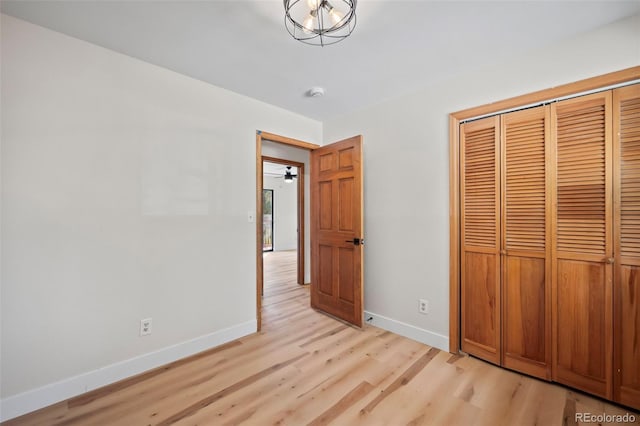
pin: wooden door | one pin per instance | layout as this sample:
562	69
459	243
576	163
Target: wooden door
582	264
480	236
626	154
526	230
337	230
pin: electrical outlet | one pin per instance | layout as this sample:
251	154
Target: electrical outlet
145	326
423	307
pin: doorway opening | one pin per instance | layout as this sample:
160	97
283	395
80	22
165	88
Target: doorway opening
273	155
283	212
336	213
283	229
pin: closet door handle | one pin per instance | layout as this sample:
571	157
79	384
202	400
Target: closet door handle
609	260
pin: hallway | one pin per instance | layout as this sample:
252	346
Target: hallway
282	295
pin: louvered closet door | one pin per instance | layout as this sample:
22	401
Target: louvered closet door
626	154
480	252
526	263
582	314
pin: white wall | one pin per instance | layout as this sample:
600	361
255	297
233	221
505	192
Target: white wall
406	170
116	207
286	152
285	206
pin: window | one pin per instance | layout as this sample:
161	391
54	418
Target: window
267	220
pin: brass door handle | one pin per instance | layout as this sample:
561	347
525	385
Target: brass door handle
609	260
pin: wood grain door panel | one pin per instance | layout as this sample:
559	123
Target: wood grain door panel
325	205
628	337
526	229
480	253
582	296
338	280
345	204
324	261
336	220
582	343
481	324
626	147
525	339
347	281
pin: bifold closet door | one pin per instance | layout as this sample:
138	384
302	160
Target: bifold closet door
582	264
626	154
526	260
480	236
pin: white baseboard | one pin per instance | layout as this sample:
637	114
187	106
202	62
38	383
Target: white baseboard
35	399
407	330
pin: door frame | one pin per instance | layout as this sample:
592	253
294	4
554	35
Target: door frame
299	209
593	83
271	137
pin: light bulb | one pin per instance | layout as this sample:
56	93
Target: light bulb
313	4
336	16
308	23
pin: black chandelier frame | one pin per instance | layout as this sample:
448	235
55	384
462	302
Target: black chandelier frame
320	35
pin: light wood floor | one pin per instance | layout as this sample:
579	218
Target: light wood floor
307	369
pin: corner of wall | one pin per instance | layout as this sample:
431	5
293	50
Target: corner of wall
407	330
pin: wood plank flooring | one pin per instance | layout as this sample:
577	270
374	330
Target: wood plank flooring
305	368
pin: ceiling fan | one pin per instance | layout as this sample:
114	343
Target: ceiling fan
288	176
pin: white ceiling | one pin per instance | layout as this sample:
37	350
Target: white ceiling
397	46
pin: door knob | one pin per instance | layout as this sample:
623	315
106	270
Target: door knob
356	241
609	260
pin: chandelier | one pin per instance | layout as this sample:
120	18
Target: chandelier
320	22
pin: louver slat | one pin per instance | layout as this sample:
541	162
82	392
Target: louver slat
581	178
480	188
525	193
629	110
